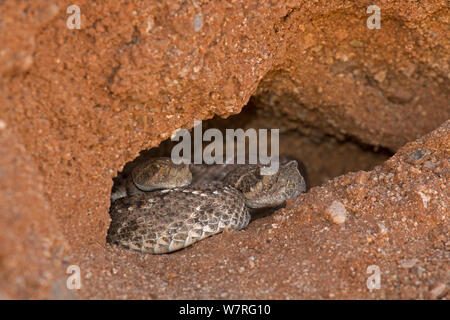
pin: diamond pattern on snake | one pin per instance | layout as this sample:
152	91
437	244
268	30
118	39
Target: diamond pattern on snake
160	207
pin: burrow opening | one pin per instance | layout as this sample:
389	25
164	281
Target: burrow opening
320	157
324	157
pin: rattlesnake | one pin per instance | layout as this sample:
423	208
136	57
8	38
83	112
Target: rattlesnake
161	207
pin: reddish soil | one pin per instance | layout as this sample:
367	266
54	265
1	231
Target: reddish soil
77	105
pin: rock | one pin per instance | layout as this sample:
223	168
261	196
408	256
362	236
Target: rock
418	156
408	264
438	291
336	212
380	76
356	43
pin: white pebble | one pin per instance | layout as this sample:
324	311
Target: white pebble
438	291
408	264
425	199
337	212
383	229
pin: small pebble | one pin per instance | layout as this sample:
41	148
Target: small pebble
383	229
150	25
408	264
438	291
356	43
430	165
336	212
425	199
420	271
362	177
251	262
2	125
418	156
380	76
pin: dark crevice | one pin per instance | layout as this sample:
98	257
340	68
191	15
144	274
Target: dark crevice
323	156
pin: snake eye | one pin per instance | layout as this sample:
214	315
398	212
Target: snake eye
155	166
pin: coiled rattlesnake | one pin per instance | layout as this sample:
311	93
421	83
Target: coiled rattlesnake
162	207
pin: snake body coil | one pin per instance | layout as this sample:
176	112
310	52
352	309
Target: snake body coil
169	219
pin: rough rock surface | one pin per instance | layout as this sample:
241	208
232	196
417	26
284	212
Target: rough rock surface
32	246
76	105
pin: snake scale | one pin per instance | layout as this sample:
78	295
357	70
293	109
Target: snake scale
160	207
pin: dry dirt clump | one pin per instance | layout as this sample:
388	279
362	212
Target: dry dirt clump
77	105
32	246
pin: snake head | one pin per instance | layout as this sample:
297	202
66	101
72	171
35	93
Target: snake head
265	191
160	173
289	176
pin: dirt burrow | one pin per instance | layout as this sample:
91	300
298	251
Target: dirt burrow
77	105
324	245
